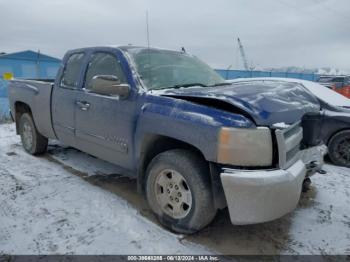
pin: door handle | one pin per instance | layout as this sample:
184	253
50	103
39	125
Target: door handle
83	105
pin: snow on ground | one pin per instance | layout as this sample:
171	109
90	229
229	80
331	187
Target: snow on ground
44	209
69	202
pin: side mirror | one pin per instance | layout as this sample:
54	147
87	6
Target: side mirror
109	85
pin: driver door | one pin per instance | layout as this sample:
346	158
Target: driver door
104	124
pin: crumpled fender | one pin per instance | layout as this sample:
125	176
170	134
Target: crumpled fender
194	124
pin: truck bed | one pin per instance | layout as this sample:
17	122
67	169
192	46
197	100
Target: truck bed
37	95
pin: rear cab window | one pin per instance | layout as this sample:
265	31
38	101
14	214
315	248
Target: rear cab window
71	73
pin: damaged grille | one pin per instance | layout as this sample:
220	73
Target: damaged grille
288	142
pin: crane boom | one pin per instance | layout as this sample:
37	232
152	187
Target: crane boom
244	58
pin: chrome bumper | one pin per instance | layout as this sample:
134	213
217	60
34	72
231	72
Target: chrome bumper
264	195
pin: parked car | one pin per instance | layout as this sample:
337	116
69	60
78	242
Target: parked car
333	120
195	143
340	84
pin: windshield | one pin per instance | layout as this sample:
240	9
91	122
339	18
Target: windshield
161	69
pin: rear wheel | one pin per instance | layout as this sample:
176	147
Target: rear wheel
339	148
33	142
178	190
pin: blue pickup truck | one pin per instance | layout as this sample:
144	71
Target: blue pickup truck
195	143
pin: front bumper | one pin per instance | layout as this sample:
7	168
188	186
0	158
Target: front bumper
264	195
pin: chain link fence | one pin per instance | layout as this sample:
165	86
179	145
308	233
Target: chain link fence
232	74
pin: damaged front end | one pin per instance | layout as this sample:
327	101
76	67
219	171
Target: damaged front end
263	167
261	195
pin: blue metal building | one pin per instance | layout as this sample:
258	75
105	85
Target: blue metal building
29	64
25	64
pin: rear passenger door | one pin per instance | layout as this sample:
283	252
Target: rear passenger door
64	96
104	124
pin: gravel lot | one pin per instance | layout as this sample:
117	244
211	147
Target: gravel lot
67	202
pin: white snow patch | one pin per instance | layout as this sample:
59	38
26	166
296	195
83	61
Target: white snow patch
44	209
281	125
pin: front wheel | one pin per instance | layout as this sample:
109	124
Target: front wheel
33	142
339	148
178	190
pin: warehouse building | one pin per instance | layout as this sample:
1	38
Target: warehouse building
24	64
29	64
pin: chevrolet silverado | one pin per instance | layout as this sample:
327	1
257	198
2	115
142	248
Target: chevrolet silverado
194	143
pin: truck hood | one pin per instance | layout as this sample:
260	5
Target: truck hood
266	103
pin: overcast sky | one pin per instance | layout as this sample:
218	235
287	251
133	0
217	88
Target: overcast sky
275	33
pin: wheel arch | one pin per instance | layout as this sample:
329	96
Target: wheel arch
334	133
334	154
20	109
153	144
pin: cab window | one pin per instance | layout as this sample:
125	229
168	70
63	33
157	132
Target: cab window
103	64
71	73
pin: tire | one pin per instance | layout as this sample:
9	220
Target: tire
306	185
339	148
33	142
195	208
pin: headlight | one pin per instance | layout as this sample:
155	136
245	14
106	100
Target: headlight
245	146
